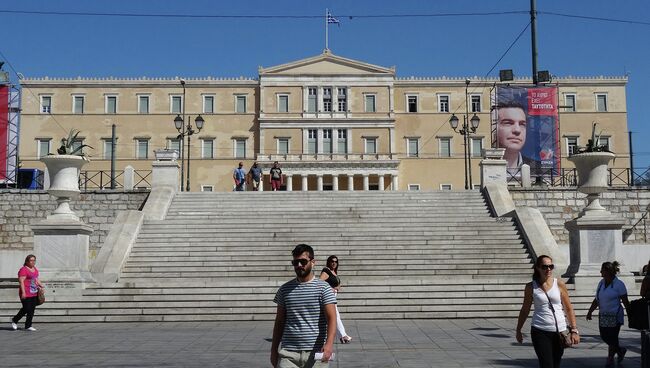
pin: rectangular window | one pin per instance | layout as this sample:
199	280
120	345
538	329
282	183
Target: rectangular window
43	147
176	104
601	102
111	104
208	104
570	102
143	104
207	188
443	103
240	104
571	145
605	141
341	94
371	145
312	99
412	103
283	146
327	99
312	135
78	104
342	141
207	148
76	144
414	187
412	147
142	149
445	186
108	148
476	103
370	103
477	147
240	148
445	147
283	103
46	104
327	140
174	144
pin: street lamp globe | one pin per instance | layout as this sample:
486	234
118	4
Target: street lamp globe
199	122
475	121
178	123
453	121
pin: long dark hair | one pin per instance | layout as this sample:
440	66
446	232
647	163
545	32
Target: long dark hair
336	270
27	259
538	264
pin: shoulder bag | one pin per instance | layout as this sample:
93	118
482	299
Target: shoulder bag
564	336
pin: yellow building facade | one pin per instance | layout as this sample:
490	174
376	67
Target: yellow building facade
332	123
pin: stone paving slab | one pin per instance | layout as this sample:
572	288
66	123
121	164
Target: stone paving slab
385	343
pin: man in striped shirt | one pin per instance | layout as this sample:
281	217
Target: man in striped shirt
305	320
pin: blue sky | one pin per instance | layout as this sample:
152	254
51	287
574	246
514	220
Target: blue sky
459	46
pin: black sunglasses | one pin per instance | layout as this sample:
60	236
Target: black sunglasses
301	261
547	267
334	261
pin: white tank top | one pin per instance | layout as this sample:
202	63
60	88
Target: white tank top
543	316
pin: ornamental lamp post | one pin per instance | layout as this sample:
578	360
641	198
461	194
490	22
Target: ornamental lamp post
187	132
465	131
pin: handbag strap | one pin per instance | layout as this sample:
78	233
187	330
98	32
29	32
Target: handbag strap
550	304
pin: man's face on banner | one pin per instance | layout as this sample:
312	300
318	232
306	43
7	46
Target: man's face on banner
511	128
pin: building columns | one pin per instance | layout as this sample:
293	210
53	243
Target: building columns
319	182
381	182
304	182
350	182
366	182
395	182
335	183
289	182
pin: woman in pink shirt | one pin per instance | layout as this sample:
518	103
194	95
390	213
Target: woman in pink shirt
28	292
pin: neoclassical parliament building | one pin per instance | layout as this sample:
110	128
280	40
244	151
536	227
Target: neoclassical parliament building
331	122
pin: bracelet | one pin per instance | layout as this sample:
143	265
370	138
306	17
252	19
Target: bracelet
574	332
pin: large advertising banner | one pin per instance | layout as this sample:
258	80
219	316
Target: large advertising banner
4	131
525	123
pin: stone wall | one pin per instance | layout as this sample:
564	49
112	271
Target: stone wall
559	205
20	208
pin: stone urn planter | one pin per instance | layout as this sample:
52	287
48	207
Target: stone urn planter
592	179
64	183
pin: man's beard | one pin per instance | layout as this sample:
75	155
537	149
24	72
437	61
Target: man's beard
302	272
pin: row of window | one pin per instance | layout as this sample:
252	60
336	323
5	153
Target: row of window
572	144
144	103
370	103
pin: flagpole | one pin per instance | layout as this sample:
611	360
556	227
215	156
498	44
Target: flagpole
326	30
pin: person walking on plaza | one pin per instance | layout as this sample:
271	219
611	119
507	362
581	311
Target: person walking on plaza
255	175
305	319
28	293
645	284
329	274
276	177
610	293
239	176
551	298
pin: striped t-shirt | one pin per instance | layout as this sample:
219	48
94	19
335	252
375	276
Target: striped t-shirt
305	325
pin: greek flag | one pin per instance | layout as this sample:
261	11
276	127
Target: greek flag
331	19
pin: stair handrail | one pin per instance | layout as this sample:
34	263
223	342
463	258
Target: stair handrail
630	231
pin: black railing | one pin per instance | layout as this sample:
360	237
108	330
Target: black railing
618	177
141	179
101	179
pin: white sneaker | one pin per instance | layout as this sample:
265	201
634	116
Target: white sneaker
30	329
14	326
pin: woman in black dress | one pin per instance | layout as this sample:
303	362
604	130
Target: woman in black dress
329	274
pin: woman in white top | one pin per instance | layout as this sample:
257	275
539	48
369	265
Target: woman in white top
551	300
610	293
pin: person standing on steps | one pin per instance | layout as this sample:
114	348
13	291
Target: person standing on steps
329	274
305	319
610	293
239	176
255	175
275	175
28	293
551	299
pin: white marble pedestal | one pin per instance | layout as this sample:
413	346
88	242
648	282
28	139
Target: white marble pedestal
592	241
61	249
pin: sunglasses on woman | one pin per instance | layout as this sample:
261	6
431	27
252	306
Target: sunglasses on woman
547	267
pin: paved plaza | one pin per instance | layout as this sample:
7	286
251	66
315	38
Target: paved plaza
389	343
